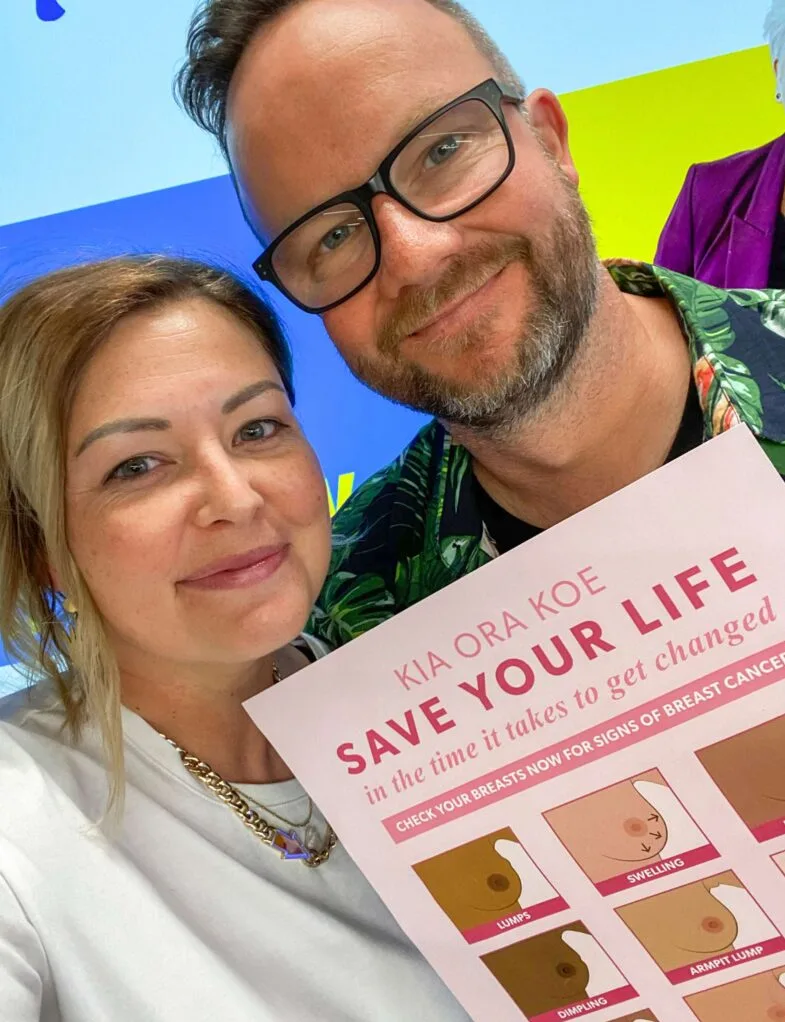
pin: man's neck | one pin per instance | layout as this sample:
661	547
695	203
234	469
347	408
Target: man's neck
612	420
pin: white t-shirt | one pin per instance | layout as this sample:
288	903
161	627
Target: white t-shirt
184	916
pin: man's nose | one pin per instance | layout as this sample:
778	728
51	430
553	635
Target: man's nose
415	252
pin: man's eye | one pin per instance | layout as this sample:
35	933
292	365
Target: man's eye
445	150
133	468
259	429
341	233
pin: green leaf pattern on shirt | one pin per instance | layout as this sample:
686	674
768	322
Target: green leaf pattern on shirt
415	527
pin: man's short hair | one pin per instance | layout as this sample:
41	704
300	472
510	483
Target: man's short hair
221	31
774	29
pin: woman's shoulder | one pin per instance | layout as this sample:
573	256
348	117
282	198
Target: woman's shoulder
32	738
32	707
24	775
52	787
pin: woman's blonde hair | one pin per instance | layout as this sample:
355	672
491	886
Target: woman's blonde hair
49	332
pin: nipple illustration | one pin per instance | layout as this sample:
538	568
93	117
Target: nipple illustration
489	886
612	831
541	973
630	833
759	998
556	970
682	926
474	883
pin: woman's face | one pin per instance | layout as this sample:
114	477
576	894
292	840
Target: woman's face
196	509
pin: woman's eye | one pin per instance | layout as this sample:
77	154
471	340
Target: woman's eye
259	429
445	150
133	468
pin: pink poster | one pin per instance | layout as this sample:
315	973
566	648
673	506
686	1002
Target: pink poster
565	774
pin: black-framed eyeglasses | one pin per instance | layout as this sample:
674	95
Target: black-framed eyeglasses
444	167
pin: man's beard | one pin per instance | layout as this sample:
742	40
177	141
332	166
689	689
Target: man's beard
563	278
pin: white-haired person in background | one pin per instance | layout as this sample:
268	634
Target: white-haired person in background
727	227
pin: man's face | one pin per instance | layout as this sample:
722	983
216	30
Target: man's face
474	320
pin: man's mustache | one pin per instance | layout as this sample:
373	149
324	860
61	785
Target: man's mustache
467	274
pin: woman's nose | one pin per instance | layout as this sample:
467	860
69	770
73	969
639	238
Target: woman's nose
227	491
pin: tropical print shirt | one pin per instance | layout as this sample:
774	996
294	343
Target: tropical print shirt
415	526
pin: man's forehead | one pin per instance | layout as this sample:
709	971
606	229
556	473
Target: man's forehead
313	37
324	92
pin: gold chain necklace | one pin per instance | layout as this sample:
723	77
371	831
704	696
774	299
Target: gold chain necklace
286	842
272	812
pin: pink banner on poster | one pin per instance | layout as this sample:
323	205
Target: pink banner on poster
750	674
775	828
515	921
589	1006
675	864
727	961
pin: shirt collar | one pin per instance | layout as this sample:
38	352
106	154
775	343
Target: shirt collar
732	388
737	346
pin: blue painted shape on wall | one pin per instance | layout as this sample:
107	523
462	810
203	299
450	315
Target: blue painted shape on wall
49	10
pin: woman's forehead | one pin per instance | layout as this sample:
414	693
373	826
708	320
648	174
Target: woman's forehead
176	350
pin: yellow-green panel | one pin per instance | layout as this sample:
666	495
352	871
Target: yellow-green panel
633	140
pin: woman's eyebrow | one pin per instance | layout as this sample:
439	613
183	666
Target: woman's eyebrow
121	426
140	425
248	393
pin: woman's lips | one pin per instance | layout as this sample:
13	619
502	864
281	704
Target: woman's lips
239	572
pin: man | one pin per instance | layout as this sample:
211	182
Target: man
462	279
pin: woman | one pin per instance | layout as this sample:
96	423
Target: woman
727	227
153	472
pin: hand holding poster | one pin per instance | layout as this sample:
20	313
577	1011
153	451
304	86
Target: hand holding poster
565	774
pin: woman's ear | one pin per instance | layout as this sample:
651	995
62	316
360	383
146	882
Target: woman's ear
48	577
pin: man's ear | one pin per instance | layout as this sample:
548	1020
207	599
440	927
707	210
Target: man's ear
549	121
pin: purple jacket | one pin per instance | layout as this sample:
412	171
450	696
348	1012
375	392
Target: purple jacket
721	229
